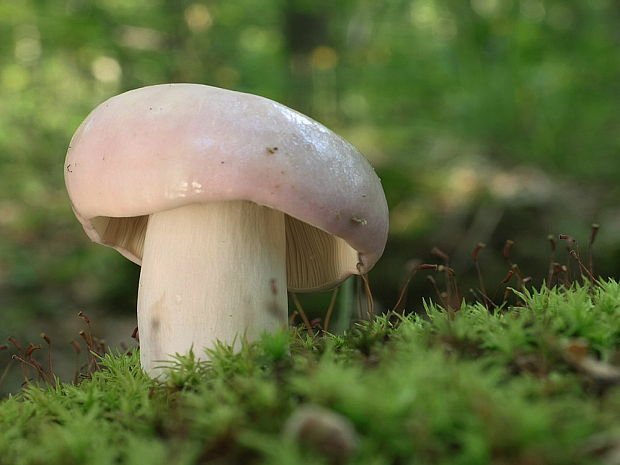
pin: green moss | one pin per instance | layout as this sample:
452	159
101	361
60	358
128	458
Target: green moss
523	385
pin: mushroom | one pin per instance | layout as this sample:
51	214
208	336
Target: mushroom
226	200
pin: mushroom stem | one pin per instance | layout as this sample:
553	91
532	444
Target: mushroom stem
210	272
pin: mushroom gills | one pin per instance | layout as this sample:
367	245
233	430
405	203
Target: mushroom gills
315	259
124	234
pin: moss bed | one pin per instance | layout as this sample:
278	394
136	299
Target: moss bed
537	383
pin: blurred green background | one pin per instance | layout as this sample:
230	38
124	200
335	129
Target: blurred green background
487	120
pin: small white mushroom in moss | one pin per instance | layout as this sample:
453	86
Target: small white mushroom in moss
226	200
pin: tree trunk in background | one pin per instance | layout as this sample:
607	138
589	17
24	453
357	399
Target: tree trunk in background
304	28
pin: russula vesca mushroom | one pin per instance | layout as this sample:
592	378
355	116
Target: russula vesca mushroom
226	199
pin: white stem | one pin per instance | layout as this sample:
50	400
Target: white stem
210	272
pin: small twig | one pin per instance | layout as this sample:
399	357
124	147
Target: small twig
506	280
368	292
301	312
561	270
452	292
45	376
507	292
358	296
22	363
400	304
83	316
479	296
94	347
519	276
92	361
553	245
573	251
31	348
33	364
508	276
19	349
583	268
440	296
330	310
507	250
47	339
87	339
441	254
483	291
16	344
78	350
451	289
593	233
570	243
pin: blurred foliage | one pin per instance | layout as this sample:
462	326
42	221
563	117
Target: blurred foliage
486	119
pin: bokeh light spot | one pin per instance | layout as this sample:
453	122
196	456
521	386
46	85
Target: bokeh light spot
255	39
141	38
106	69
198	17
27	50
424	13
486	8
324	58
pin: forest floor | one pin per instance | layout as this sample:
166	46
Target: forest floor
526	384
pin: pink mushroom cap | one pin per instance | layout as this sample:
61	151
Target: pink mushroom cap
166	146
